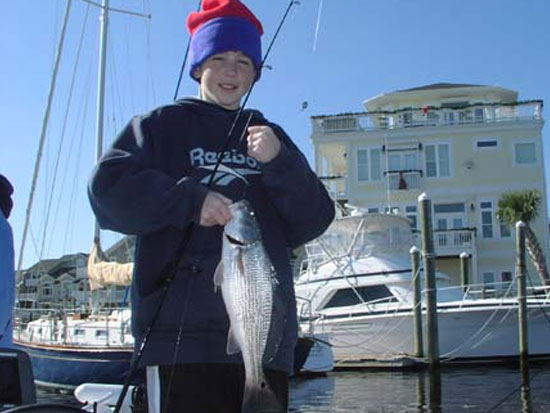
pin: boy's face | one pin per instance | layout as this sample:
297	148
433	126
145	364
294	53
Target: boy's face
225	78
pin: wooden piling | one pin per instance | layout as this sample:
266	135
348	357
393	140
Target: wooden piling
464	271
417	303
425	207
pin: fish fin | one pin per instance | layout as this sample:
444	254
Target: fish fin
232	343
218	276
260	399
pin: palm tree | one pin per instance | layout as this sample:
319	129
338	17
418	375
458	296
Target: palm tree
524	206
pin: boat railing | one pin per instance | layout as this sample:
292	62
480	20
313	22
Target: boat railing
496	290
73	327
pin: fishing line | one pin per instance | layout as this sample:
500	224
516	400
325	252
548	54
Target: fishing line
171	269
317	26
185	59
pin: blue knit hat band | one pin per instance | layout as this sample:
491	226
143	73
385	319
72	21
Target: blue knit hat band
225	34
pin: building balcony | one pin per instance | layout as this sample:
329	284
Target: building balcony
404	179
429	117
453	242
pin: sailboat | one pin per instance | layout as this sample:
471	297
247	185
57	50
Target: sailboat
71	345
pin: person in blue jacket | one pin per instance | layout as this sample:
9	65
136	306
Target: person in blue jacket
7	272
153	182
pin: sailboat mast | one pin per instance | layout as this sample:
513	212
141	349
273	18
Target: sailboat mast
101	92
45	123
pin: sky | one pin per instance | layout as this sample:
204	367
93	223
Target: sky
332	54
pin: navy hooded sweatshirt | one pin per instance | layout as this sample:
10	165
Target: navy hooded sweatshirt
152	182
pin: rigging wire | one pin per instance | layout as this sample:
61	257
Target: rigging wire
531	377
61	142
43	133
538	304
149	81
71	216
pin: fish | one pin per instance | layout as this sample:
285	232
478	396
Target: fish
248	285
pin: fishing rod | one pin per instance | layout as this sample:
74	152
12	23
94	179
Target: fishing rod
170	271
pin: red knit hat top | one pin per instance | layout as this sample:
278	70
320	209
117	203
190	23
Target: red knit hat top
212	9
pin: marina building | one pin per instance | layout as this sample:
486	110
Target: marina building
63	282
463	145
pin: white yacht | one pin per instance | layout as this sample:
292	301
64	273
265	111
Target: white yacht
356	286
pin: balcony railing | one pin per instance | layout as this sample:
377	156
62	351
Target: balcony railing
429	116
452	239
403	180
451	242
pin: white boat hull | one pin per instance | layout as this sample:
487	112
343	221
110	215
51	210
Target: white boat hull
464	333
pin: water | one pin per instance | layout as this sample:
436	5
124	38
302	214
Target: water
472	390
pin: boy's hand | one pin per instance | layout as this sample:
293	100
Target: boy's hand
263	144
215	210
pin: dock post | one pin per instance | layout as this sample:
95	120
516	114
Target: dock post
464	271
417	303
429	270
522	300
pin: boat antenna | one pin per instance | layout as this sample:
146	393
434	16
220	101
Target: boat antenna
170	271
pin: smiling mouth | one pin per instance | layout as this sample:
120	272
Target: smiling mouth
226	86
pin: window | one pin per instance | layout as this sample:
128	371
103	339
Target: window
486	219
368	164
478	114
506	277
372	210
410	212
437	160
525	153
504	229
448	208
101	333
488	278
406	118
354	296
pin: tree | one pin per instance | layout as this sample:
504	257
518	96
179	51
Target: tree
524	206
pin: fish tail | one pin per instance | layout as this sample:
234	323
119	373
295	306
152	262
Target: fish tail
260	399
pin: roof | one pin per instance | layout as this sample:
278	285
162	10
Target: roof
435	86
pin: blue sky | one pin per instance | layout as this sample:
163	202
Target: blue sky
362	48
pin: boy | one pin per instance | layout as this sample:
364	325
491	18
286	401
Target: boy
153	183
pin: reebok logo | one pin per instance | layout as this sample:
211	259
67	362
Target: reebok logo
225	174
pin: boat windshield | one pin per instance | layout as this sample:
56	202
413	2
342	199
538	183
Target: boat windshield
362	236
359	295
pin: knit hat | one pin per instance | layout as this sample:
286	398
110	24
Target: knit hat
222	26
5	196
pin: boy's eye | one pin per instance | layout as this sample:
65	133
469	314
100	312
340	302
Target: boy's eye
245	62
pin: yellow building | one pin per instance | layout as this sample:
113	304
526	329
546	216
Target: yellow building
463	145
